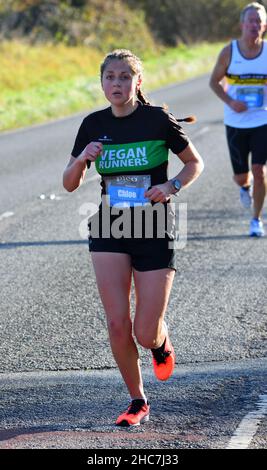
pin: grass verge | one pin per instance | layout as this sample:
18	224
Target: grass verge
41	83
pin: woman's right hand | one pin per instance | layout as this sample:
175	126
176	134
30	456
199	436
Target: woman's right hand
91	152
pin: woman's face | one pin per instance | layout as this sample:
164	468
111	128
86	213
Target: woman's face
254	24
119	84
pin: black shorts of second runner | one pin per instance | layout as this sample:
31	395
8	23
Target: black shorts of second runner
147	254
242	142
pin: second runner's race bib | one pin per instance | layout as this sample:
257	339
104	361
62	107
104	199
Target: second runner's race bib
252	96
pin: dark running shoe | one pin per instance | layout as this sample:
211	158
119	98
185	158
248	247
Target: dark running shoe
137	412
164	359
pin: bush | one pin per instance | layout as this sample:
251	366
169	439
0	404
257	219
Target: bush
103	24
107	24
184	21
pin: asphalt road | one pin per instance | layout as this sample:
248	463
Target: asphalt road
52	320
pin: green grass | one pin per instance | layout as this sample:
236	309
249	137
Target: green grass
181	63
41	83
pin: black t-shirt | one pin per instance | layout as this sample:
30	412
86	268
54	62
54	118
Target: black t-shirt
134	144
137	144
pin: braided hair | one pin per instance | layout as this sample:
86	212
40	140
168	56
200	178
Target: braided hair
136	67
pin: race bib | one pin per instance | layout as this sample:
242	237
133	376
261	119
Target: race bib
252	96
127	190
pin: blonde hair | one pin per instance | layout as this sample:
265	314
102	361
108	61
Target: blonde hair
136	68
253	6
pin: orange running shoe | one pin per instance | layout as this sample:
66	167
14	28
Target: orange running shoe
137	412
164	360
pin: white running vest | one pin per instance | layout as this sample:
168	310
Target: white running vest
246	80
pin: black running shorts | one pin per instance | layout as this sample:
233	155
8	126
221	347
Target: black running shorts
242	142
146	254
148	250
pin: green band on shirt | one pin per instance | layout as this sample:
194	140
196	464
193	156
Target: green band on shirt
136	156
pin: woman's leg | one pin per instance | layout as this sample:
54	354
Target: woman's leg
113	275
152	294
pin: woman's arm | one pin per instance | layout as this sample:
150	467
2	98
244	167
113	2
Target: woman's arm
193	167
74	173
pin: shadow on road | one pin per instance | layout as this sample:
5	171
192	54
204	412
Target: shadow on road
9	245
218	237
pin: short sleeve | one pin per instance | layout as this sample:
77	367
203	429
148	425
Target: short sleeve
82	139
176	140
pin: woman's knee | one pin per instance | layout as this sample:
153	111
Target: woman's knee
119	328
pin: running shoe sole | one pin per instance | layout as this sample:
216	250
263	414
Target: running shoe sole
137	412
125	424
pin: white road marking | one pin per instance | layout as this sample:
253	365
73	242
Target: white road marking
51	196
5	215
246	430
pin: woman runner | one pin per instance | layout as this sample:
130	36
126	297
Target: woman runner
128	143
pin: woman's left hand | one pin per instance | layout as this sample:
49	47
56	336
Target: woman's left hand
160	192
